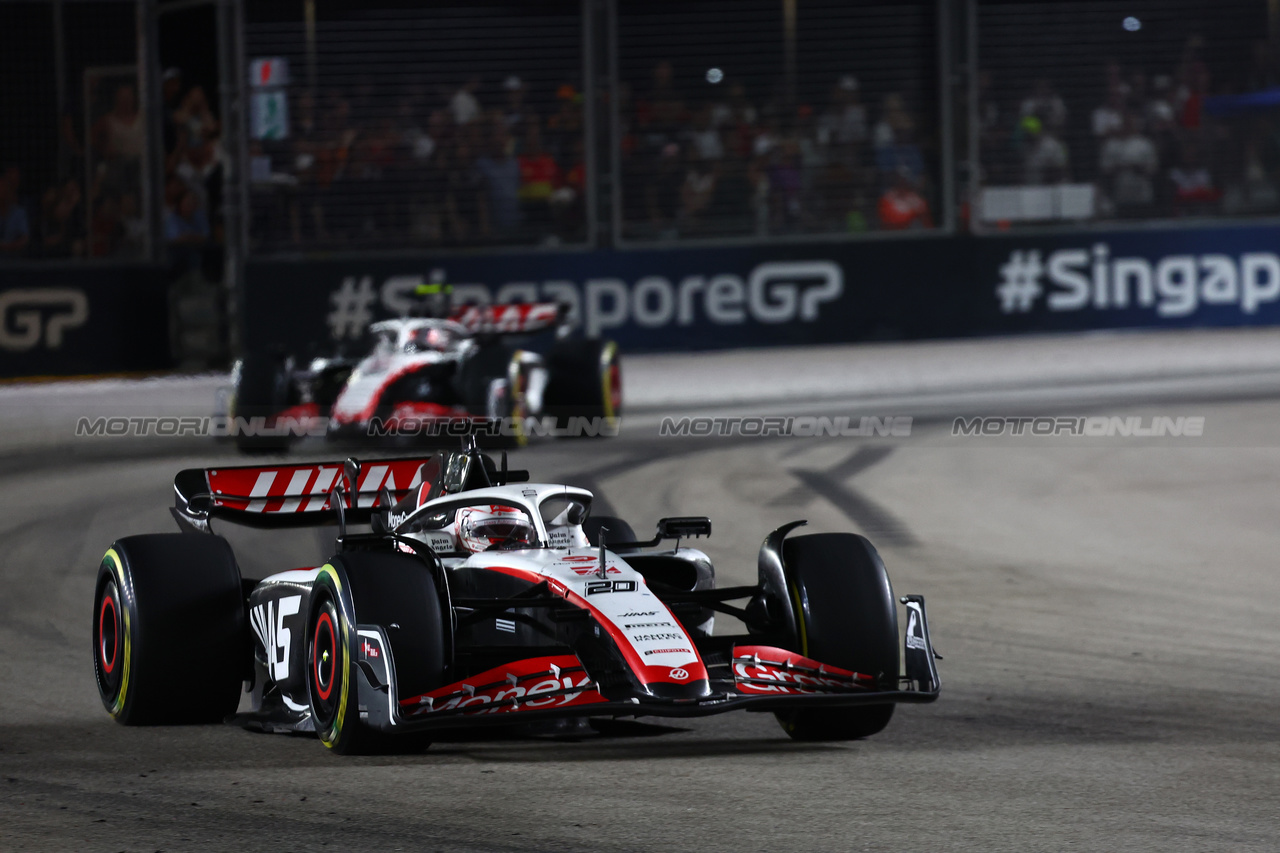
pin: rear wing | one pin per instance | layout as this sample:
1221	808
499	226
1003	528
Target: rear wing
514	318
296	495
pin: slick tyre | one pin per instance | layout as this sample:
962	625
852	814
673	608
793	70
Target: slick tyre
846	617
170	637
585	381
391	590
263	391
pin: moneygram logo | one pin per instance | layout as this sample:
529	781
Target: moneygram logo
773	292
1175	285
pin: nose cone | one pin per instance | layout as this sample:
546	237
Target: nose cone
688	691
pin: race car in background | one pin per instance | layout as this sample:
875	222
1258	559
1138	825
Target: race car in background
488	367
481	598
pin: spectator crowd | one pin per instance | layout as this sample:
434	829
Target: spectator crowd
503	161
1141	136
94	208
427	166
716	161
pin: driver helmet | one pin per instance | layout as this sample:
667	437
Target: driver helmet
434	338
481	527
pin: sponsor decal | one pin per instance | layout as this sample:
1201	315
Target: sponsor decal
649	625
679	674
268	623
29	317
772	293
636	614
587	569
762	669
1081	279
370	651
650	638
667	651
915	637
553	682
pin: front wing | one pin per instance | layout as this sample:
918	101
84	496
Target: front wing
754	677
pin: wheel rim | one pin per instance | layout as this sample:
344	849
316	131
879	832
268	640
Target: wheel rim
108	636
325	659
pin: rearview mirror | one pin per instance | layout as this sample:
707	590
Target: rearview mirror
684	527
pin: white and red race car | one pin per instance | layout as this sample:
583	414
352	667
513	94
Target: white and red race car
504	370
481	598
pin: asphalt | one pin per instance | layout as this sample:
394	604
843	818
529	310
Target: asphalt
1108	611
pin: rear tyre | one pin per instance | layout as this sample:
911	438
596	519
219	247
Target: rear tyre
847	617
380	589
170	642
263	391
585	382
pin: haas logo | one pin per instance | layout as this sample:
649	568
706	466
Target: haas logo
21	313
679	674
268	624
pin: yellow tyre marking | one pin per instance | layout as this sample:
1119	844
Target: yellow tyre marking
340	717
607	355
118	706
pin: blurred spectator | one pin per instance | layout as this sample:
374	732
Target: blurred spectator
662	116
894	139
186	230
515	112
15	228
1254	189
662	191
704	137
464	200
1046	158
565	125
1194	192
902	207
187	225
1047	105
62	221
1108	118
785	184
500	171
844	122
697	192
539	178
1129	163
465	106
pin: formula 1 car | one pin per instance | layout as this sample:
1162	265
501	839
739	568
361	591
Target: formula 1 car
494	369
480	598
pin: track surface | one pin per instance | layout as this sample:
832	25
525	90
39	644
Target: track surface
1109	613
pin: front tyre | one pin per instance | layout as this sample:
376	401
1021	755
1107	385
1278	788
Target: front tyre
846	617
392	590
170	638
